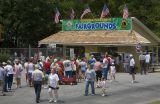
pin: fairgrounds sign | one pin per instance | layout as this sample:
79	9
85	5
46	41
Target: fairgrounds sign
97	24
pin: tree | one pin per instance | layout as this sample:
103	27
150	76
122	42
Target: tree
26	22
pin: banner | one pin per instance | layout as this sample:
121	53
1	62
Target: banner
97	24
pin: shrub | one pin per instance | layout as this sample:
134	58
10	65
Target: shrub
4	56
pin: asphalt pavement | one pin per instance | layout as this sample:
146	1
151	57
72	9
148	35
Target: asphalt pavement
122	91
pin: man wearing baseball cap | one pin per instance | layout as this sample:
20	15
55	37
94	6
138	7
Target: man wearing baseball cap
37	78
132	68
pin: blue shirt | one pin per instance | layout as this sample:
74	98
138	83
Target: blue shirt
2	73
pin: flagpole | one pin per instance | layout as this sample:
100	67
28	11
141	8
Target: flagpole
110	15
92	15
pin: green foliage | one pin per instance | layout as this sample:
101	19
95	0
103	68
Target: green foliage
28	21
4	56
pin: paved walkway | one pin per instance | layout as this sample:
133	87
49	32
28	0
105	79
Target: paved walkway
122	91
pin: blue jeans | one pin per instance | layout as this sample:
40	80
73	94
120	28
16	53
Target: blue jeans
87	87
5	83
68	73
37	88
10	80
104	72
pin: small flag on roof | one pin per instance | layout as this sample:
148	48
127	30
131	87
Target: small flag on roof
86	10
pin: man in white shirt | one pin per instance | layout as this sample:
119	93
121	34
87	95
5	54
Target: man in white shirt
37	78
147	61
67	67
132	68
9	69
105	67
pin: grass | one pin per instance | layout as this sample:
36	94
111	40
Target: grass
156	102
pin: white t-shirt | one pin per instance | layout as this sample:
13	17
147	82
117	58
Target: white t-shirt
30	67
105	63
9	69
67	65
148	58
53	80
132	62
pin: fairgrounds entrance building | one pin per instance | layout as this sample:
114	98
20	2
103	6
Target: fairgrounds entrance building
117	36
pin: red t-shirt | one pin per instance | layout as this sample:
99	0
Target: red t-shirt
47	65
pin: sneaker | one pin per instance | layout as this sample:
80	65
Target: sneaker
55	101
133	81
103	94
92	94
50	101
38	101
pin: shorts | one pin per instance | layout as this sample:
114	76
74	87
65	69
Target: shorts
132	70
83	71
68	73
56	88
105	73
29	76
99	74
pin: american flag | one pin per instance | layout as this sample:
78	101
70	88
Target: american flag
125	11
57	14
86	10
105	11
72	14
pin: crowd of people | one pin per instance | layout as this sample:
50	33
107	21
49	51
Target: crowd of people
51	71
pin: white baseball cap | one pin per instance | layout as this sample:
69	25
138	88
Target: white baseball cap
130	55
